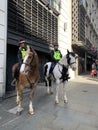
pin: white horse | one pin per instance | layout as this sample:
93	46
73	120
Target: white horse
59	74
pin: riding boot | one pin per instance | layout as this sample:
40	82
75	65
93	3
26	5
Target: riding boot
16	72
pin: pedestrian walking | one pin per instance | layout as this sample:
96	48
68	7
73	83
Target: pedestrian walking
93	71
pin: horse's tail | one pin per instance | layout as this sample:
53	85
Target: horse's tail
13	83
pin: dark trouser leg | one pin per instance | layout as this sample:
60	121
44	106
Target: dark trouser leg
16	71
52	67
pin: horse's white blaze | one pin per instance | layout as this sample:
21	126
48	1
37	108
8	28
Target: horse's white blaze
22	68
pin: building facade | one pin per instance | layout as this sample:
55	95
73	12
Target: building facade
35	21
85	32
64	29
70	23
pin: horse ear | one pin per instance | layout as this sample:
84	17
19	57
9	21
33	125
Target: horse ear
67	51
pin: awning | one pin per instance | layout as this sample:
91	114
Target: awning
83	48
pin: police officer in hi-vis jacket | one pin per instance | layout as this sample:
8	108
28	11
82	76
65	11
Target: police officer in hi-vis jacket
20	55
22	51
55	57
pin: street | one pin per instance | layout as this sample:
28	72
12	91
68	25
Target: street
80	113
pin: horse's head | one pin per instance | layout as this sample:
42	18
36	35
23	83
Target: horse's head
71	59
27	62
28	58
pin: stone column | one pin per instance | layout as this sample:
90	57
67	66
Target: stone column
3	45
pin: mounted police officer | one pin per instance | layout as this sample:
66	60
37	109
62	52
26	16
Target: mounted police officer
55	57
22	51
20	55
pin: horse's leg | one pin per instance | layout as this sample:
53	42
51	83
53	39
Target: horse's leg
20	97
17	98
57	91
19	108
48	88
51	86
31	110
47	85
64	87
17	92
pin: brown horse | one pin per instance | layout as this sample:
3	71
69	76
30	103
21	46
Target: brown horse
28	76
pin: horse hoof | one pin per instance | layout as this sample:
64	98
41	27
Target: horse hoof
65	101
31	112
48	92
18	113
56	102
17	102
51	92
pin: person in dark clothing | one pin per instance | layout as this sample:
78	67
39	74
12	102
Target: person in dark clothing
55	57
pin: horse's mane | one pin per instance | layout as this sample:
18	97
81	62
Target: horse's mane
66	55
63	59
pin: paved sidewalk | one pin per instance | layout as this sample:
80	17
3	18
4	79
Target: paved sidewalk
80	113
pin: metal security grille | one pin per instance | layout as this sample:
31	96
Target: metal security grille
30	18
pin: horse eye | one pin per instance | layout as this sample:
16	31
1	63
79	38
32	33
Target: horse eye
30	57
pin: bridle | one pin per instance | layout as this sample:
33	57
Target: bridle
72	63
68	59
29	64
65	67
